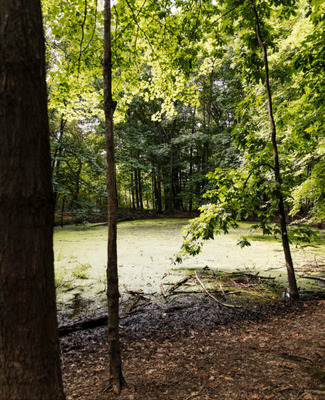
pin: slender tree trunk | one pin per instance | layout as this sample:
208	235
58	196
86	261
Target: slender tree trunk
132	190
154	188
190	206
140	189
171	179
293	290
62	210
29	347
136	186
159	200
77	185
57	156
190	203
115	365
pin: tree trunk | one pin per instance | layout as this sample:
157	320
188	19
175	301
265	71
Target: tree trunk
132	190
115	365
62	211
171	180
136	186
159	197
190	205
75	200
57	157
29	349
154	188
293	290
140	189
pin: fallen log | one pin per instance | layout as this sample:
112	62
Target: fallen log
82	325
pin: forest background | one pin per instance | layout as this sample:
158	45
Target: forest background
191	116
198	86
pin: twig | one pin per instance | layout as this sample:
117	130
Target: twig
137	293
63	283
212	297
163	292
223	292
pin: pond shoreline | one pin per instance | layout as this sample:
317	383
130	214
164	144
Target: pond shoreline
145	250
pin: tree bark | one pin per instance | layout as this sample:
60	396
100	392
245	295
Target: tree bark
56	161
136	186
159	197
293	289
132	190
115	365
140	189
171	179
29	349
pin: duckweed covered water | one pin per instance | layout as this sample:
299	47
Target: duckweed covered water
145	250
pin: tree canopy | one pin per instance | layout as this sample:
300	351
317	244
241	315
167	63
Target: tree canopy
189	81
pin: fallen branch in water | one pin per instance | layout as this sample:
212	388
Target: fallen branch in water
179	283
136	293
317	278
242	273
212	297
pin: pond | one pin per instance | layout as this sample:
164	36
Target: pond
145	250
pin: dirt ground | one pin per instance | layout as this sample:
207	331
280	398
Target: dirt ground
274	351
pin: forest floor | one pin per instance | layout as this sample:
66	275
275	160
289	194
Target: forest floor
206	351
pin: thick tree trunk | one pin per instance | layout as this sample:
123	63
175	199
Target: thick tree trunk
29	350
115	365
293	289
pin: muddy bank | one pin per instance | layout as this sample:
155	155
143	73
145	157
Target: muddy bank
271	351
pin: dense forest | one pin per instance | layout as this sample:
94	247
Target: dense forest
206	106
189	81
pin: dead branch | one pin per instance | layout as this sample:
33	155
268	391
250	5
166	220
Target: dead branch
137	293
252	275
212	297
163	292
222	291
179	283
317	278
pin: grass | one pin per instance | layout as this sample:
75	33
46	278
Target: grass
81	271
